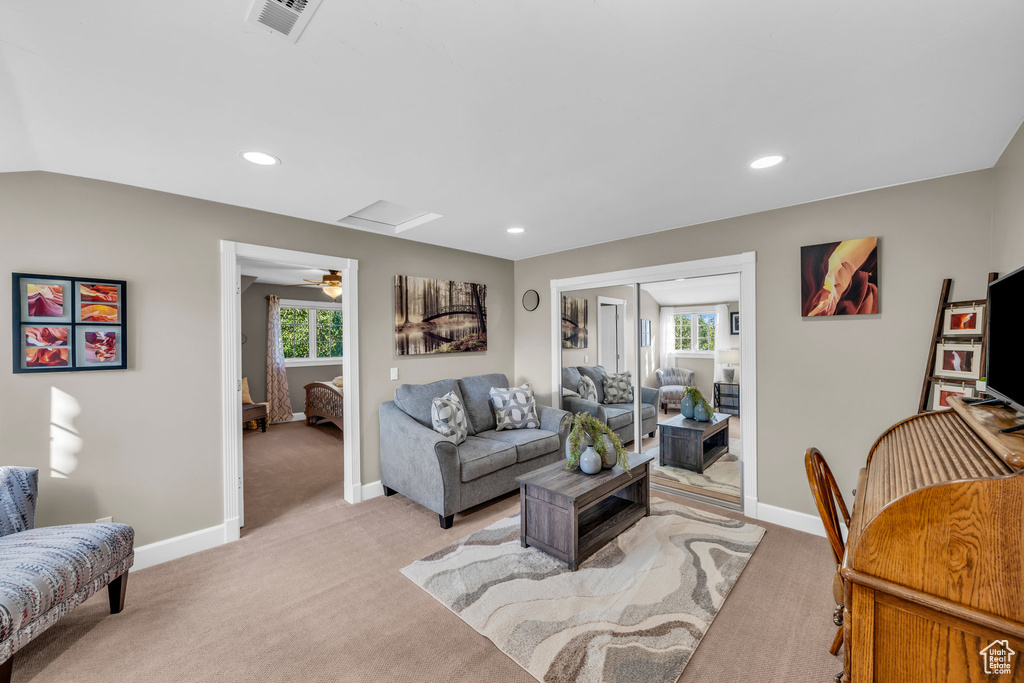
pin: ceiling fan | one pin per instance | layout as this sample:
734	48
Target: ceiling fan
331	283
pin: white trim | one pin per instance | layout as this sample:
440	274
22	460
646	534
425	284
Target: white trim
232	254
301	362
180	546
298	417
322	305
745	265
801	521
372	490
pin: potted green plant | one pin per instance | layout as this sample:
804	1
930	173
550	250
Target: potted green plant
702	410
600	438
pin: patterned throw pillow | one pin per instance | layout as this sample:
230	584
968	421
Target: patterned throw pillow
618	388
448	416
515	408
587	389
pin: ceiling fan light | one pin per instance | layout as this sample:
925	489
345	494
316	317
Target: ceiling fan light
333	291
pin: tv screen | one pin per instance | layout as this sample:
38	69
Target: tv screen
1004	375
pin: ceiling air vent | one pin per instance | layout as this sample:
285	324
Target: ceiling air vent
388	218
286	18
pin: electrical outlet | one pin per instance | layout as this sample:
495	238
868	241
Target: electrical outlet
586	359
105	520
394	374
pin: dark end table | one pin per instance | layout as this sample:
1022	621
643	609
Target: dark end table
572	515
693	445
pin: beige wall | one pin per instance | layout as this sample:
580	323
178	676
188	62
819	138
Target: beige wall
832	383
254	350
1008	207
151	435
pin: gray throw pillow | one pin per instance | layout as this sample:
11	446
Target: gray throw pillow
587	389
448	417
515	408
618	388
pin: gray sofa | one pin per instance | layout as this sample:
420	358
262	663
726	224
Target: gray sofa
618	416
422	465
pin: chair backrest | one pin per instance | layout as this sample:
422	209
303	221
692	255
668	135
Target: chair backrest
674	377
18	489
829	500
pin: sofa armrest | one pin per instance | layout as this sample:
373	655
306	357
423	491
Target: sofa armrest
649	395
580	405
555	420
19	487
418	462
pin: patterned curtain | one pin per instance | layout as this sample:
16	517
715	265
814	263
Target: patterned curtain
277	379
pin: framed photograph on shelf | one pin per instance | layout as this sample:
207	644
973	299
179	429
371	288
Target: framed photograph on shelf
64	324
944	390
734	323
958	361
963	321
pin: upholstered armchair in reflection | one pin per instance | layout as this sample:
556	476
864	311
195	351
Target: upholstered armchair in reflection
48	572
672	382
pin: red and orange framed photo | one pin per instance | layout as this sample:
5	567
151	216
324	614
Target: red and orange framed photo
942	391
964	321
64	324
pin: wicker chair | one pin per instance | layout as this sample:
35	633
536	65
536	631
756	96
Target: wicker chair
671	384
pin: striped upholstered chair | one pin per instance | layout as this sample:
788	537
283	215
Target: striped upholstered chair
671	384
45	573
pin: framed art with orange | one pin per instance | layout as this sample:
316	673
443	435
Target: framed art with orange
64	324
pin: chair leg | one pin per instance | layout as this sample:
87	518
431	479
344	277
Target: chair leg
116	590
7	670
446	522
836	642
388	492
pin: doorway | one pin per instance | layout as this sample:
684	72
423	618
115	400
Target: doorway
235	259
646	361
611	333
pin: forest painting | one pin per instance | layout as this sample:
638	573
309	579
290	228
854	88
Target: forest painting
574	322
439	316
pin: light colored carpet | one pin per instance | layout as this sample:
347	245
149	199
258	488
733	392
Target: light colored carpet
634	611
315	594
721	480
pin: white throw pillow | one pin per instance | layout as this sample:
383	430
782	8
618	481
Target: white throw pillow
587	389
448	417
515	408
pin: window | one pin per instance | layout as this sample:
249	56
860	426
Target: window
312	332
695	332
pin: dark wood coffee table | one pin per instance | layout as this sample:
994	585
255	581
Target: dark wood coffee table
693	445
572	515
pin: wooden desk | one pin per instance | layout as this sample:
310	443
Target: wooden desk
693	445
572	515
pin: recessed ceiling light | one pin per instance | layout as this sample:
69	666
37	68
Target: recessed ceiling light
261	158
768	161
516	231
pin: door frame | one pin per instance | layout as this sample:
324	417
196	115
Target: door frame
231	254
620	329
743	264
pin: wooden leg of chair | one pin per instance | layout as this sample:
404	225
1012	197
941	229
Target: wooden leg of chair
116	590
836	642
7	670
388	492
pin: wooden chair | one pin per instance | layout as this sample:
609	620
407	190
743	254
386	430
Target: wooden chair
831	505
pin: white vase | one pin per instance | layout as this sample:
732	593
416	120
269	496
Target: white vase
590	461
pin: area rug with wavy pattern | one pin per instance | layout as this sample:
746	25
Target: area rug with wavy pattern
634	611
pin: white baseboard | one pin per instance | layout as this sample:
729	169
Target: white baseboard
180	546
372	490
801	521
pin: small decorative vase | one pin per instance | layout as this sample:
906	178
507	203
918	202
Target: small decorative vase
686	405
590	461
611	459
700	413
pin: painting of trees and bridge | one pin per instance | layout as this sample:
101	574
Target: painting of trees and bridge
574	322
439	316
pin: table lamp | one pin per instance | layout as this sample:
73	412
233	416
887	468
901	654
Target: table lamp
728	357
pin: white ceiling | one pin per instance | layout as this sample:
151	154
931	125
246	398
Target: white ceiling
268	273
580	120
716	289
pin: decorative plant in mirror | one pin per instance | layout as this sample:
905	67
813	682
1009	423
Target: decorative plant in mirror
589	428
702	410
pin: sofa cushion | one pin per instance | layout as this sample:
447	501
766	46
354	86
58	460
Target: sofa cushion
448	417
587	389
617	417
482	456
515	408
476	397
618	387
415	400
647	410
529	443
58	567
596	375
570	378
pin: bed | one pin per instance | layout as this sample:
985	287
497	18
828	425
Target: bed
325	401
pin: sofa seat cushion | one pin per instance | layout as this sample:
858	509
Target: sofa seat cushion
482	456
415	400
55	568
529	443
476	396
671	393
616	417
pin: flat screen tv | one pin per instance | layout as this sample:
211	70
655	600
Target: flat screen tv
1004	373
